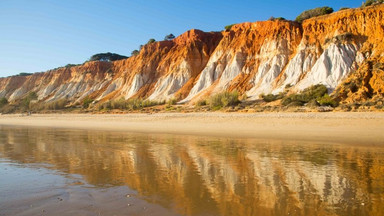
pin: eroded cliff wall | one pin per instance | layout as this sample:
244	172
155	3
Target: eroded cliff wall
343	51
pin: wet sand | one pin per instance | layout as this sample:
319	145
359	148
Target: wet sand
97	171
350	128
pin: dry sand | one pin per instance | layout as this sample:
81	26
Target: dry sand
350	128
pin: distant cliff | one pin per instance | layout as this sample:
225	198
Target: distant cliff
343	50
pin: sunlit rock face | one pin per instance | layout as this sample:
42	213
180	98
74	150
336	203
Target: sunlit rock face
253	58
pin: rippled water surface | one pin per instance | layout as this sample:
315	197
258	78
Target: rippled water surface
79	172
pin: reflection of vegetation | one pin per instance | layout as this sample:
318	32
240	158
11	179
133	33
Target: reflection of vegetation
320	156
226	148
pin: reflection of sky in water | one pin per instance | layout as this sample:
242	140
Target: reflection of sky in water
194	175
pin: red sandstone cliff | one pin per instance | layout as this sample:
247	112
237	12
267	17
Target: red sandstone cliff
343	51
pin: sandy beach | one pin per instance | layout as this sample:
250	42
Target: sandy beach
351	128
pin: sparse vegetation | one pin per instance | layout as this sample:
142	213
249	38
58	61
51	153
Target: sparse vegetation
326	100
3	101
272	97
224	99
172	101
341	38
372	2
344	37
201	103
313	13
276	18
26	101
56	105
313	103
86	102
24	74
71	65
151	41
135	53
319	93
169	37
229	27
131	104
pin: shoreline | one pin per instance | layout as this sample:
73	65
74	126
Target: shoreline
352	128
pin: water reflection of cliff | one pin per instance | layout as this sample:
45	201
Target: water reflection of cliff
213	176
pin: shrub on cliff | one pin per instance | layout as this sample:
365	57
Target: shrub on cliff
130	104
272	97
314	91
24	74
135	53
71	65
224	99
107	57
372	2
172	101
86	102
228	27
151	41
317	92
313	13
169	37
56	105
272	18
3	101
138	103
26	101
326	100
201	103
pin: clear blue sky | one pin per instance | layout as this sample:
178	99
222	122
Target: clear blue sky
37	35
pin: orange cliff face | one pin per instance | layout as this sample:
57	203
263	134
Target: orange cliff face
63	83
255	58
244	57
164	69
